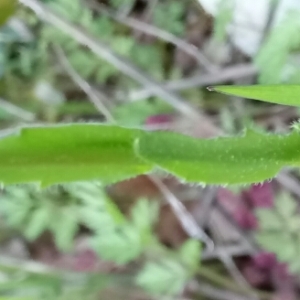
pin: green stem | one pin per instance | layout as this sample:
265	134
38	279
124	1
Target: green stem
219	280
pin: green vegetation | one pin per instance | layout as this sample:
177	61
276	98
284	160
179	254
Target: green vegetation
75	126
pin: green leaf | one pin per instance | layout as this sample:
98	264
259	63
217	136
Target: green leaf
293	224
119	3
140	55
15	206
279	231
249	158
144	214
287	250
173	22
122	44
294	267
96	219
279	45
83	62
269	219
39	221
70	153
272	241
64	228
286	206
17	216
190	254
114	212
7	8
110	153
91	194
280	94
167	278
121	245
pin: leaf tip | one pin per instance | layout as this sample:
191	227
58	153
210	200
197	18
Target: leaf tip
211	88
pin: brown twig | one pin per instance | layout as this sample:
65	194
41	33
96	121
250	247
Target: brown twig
84	85
236	274
249	241
216	293
209	199
231	250
212	276
187	221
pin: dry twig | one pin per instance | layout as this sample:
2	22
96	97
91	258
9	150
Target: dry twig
17	111
226	74
84	85
186	219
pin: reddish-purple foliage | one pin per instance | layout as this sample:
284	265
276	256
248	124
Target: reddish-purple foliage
238	208
260	195
85	261
245	218
242	206
264	260
263	269
159	119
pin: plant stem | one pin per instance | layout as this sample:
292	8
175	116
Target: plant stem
207	273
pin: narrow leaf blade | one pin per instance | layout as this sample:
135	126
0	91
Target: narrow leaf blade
252	157
70	153
279	94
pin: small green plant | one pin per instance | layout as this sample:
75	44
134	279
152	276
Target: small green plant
223	18
279	231
276	59
59	209
114	237
174	22
168	276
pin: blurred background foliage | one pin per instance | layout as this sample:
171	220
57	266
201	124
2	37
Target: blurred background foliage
88	241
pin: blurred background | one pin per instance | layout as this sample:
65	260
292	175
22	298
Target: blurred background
147	64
